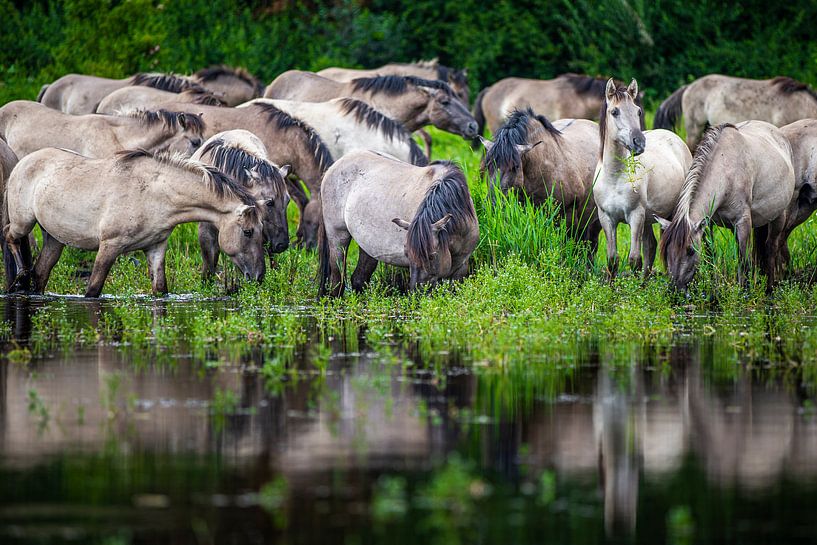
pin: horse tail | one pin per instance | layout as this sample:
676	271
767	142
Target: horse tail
323	258
479	115
669	113
43	89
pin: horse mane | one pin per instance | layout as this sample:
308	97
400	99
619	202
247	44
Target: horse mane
237	162
172	83
448	194
586	85
170	121
202	96
284	121
427	63
676	236
217	70
388	127
503	154
396	85
216	181
787	86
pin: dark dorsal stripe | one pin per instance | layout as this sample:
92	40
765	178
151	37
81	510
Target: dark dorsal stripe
165	82
284	121
396	85
237	163
788	86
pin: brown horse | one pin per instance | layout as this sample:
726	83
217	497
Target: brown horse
368	196
232	85
548	160
411	101
567	96
716	99
457	79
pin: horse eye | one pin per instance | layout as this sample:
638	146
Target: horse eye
690	251
271	203
248	233
445	102
614	112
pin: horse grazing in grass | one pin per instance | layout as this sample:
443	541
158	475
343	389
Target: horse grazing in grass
716	99
421	218
137	97
633	189
28	126
548	160
742	177
567	96
411	101
78	94
232	85
457	79
242	156
122	204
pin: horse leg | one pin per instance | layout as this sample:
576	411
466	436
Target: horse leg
609	227
743	231
650	245
338	245
636	221
105	258
22	260
298	195
156	266
422	133
366	265
208	241
49	255
775	240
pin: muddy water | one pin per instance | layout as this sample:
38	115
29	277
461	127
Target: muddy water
358	442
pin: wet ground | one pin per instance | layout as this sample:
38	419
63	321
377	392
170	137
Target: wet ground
349	441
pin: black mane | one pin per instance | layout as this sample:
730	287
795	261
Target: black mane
172	83
203	96
216	71
788	86
585	85
514	132
396	85
285	121
171	121
237	163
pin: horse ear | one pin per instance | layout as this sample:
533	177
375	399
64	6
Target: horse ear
525	148
401	223
664	223
610	90
632	89
440	224
244	210
285	170
487	143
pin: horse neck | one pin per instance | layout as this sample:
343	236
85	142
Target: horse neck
191	199
408	109
544	161
614	152
705	200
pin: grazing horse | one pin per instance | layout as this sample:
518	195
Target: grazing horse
716	99
411	101
567	96
233	85
457	79
288	141
742	177
122	204
421	218
548	160
28	126
242	156
633	190
78	94
137	97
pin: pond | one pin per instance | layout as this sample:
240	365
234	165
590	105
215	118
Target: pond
352	439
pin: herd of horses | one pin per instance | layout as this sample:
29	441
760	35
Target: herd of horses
114	165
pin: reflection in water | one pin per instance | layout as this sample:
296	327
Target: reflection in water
349	442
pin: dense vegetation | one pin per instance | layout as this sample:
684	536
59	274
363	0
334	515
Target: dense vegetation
663	43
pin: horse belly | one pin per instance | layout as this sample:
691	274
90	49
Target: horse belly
68	221
380	238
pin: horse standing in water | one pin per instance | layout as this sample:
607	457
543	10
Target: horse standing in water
802	136
634	191
420	218
716	99
548	160
742	177
122	204
242	156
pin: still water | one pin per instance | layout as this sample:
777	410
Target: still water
351	441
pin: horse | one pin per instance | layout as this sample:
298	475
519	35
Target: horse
288	141
121	204
716	99
411	101
431	69
78	94
8	160
633	190
566	96
136	97
28	126
368	196
242	156
742	177
547	160
233	85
